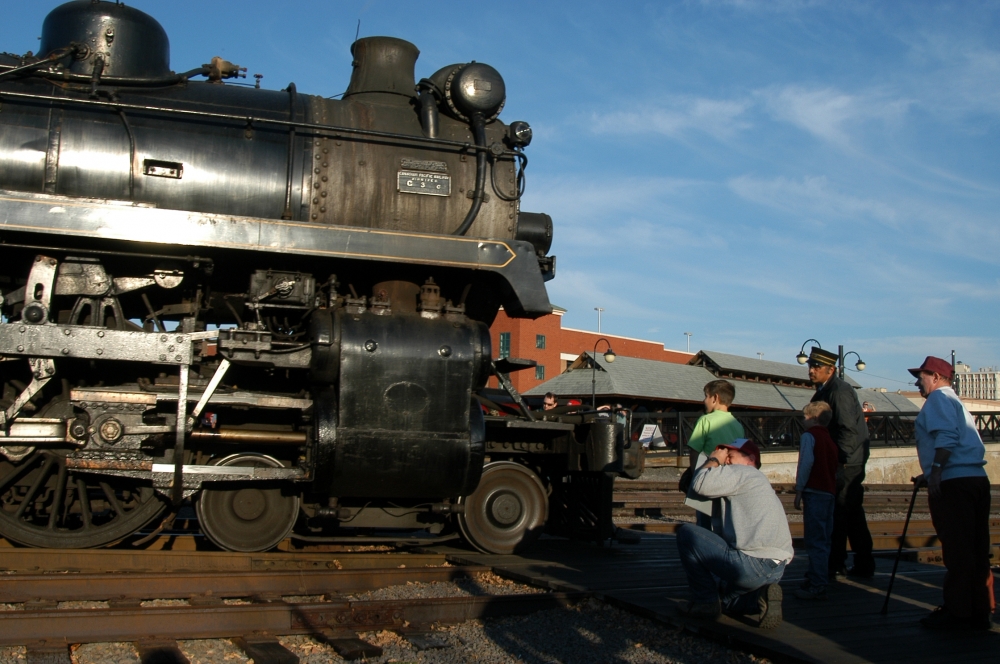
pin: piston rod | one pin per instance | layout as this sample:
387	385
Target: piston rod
263	436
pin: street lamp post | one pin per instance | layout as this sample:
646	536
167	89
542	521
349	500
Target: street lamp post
688	335
598	310
609	356
802	358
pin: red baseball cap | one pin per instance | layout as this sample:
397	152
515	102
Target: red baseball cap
934	365
746	446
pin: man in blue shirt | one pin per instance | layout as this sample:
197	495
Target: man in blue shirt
953	459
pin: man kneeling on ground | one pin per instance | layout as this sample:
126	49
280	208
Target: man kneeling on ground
749	544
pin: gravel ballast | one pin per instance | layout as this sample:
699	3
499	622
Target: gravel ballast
589	632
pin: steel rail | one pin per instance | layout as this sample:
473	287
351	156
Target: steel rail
123	560
278	618
885	534
628	486
17	588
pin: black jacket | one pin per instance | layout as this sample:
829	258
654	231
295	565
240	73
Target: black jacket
848	427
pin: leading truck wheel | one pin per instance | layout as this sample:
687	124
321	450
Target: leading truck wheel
45	504
507	511
249	516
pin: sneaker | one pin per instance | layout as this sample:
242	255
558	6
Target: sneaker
838	571
940	619
704	610
808	592
769	600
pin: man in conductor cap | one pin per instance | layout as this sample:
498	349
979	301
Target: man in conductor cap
850	432
953	459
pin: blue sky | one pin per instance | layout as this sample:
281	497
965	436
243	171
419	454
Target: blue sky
755	173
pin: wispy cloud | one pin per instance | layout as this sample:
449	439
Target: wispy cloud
811	196
770	6
677	117
831	114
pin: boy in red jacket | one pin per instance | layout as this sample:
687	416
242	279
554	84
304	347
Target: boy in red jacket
816	486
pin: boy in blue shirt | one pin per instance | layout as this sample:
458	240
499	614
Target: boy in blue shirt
816	487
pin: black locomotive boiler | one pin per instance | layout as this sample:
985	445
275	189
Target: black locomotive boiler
270	303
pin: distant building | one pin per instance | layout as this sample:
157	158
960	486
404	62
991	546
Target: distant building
657	386
554	347
982	384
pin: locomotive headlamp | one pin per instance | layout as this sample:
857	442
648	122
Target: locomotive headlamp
475	88
519	134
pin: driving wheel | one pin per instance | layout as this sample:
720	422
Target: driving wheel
45	504
507	511
247	516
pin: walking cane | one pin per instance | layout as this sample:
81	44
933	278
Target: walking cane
906	524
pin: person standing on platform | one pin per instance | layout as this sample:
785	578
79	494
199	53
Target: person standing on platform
736	566
850	432
716	427
953	459
815	486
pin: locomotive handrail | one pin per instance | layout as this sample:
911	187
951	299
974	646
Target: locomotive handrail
157	81
250	120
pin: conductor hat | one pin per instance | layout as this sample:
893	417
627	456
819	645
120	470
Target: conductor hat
934	365
822	358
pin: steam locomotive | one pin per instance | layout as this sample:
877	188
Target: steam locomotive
274	305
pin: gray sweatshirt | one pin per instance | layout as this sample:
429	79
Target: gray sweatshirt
747	514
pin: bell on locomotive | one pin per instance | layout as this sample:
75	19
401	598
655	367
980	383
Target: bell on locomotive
260	314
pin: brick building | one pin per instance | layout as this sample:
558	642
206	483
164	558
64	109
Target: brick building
554	347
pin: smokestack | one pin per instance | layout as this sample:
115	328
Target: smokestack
383	65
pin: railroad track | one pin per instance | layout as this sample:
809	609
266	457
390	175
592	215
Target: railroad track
145	560
249	606
647	498
643	498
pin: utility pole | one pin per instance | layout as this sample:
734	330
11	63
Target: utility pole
954	376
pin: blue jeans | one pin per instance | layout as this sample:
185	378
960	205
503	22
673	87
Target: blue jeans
817	526
716	571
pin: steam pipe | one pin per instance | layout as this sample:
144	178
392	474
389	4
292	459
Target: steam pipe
287	214
479	132
429	118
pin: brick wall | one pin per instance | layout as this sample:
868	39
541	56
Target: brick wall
564	345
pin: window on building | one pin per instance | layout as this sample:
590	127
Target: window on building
504	344
540	341
540	372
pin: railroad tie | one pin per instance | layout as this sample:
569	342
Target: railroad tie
45	652
206	600
124	603
424	640
264	649
351	648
